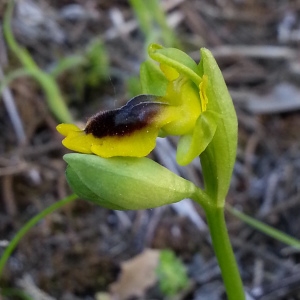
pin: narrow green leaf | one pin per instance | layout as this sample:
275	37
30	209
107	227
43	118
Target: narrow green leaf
143	15
264	228
67	63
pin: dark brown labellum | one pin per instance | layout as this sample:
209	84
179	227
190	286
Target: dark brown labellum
135	115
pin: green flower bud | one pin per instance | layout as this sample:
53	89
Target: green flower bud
125	183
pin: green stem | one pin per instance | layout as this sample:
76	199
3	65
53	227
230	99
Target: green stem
54	97
14	242
20	52
224	253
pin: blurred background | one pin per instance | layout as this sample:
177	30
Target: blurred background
86	54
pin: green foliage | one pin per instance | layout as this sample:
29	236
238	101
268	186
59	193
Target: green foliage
96	67
26	227
91	68
152	22
67	63
264	228
53	95
171	272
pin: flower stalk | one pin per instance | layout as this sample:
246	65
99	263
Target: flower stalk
224	253
222	247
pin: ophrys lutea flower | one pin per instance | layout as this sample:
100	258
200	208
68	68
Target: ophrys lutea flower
180	98
132	129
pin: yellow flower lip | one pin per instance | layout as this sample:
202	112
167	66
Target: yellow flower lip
65	129
128	131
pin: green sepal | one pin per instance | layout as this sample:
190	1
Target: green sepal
153	80
193	144
176	59
218	158
125	183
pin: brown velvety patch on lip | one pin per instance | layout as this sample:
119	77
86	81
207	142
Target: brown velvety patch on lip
135	115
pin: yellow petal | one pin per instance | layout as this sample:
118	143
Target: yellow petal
170	73
65	129
187	110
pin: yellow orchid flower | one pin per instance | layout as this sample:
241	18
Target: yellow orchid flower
175	103
132	129
179	98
